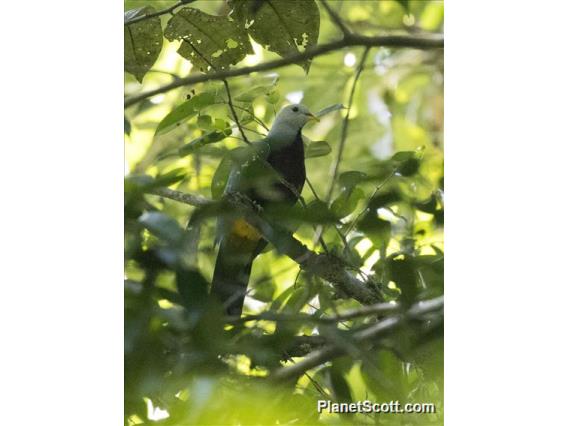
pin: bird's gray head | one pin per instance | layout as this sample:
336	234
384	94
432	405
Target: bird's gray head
291	119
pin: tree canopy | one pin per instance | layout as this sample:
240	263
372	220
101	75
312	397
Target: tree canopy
346	302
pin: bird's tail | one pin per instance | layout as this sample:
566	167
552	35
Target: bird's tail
231	276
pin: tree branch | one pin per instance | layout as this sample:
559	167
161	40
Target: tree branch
375	309
417	311
326	266
322	49
159	12
190	199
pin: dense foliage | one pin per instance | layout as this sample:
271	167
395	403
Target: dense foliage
373	207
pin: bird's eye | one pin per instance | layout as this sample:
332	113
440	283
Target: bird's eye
295	109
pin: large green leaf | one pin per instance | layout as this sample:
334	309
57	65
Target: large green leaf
142	42
209	42
281	26
184	111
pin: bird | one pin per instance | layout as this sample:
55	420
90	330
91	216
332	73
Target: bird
255	175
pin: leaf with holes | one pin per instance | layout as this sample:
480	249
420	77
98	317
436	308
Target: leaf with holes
209	42
142	42
281	26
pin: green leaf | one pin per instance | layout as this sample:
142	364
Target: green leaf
142	42
403	273
219	180
347	202
143	183
385	377
282	297
315	212
351	178
281	26
162	226
329	109
209	42
428	206
184	111
318	212
409	167
264	289
192	288
205	122
382	200
403	155
378	230
431	268
273	97
221	124
206	139
339	384
317	149
251	94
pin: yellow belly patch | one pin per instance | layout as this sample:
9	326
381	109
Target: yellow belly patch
245	230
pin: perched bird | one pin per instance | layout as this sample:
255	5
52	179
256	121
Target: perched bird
239	241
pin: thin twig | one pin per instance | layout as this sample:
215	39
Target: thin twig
318	357
254	117
377	189
376	309
345	125
232	108
227	89
435	42
335	18
318	236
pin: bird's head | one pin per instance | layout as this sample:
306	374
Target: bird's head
292	118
